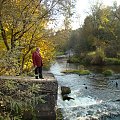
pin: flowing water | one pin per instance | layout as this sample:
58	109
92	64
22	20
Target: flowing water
95	97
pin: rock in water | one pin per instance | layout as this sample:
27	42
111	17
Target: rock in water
65	97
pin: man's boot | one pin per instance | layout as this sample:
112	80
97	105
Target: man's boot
36	76
40	76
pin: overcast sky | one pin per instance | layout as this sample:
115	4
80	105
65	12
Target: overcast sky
83	6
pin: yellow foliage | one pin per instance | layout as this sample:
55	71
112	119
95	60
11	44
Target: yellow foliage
101	27
104	16
24	29
47	51
2	46
6	29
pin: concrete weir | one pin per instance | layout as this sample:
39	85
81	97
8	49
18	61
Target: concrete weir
49	88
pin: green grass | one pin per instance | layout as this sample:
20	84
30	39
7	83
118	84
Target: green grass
112	61
79	72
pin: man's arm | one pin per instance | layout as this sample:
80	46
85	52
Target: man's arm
33	58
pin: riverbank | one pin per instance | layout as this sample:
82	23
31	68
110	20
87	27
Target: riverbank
94	60
28	98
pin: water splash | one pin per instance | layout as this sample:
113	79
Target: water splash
99	111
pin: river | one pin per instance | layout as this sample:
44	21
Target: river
95	97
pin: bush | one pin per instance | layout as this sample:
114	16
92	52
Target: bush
73	59
110	52
10	62
108	72
95	58
87	59
112	61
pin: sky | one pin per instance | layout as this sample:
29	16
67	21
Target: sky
83	7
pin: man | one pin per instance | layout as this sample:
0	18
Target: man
37	62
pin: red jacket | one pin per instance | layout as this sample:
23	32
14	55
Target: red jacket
37	59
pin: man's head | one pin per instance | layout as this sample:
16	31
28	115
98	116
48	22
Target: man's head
38	49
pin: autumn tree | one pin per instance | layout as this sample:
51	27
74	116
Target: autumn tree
23	25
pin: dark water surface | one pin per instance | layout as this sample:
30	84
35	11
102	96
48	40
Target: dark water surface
96	97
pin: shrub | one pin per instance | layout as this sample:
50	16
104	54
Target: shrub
110	52
112	61
95	58
108	72
73	59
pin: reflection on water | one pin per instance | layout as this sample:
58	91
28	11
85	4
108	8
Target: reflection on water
95	96
100	69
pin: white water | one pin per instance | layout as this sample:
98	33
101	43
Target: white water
91	103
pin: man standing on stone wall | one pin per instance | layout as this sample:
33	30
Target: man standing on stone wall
37	62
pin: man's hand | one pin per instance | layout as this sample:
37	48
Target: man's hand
35	66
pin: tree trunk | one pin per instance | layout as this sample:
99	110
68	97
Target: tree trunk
12	40
3	34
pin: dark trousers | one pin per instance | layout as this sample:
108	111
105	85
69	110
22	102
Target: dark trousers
38	72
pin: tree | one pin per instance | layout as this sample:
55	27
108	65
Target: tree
99	31
23	24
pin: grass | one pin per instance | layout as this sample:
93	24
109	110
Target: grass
112	61
79	72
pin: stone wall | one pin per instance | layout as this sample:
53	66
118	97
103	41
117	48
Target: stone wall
49	88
